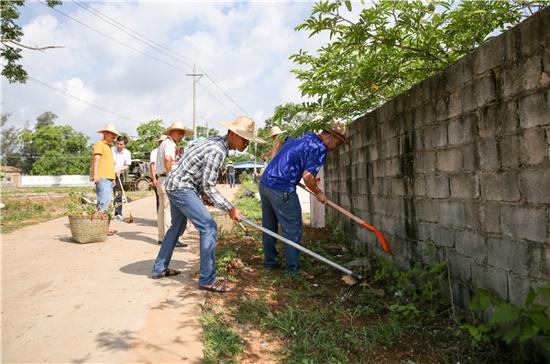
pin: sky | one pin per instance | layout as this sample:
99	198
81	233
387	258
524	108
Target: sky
242	48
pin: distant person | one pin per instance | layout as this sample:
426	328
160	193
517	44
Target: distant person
123	159
190	186
230	170
103	171
299	158
277	143
166	160
179	153
152	168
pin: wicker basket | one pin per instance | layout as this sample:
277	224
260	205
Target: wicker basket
85	230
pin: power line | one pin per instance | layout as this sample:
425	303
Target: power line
151	43
138	36
82	100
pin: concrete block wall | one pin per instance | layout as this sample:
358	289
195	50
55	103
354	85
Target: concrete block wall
460	162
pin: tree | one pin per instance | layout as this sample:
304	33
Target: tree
148	133
392	46
56	150
201	131
11	37
45	119
10	144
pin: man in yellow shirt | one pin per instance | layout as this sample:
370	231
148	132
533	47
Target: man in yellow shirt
103	167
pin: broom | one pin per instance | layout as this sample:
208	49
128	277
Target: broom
130	217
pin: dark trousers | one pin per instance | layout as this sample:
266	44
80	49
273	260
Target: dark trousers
118	195
231	179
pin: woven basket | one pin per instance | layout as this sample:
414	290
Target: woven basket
85	230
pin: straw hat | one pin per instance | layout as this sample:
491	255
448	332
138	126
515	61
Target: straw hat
176	125
275	131
161	138
338	129
109	127
230	162
243	126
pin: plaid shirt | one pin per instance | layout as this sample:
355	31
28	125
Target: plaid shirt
198	170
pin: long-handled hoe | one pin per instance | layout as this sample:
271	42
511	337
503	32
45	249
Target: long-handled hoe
354	279
361	222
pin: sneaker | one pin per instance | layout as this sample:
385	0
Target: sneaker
118	217
179	244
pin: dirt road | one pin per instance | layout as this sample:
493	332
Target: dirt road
73	303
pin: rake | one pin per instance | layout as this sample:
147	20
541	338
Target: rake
361	222
355	279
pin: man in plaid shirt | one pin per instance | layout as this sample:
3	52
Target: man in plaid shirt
190	185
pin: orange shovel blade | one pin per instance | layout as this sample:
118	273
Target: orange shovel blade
380	237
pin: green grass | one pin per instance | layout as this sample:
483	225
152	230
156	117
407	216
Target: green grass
222	344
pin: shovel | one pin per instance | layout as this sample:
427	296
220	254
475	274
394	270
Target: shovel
363	223
355	280
130	217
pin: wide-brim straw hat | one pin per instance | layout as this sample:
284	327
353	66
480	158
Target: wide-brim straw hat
243	126
339	130
275	131
161	138
230	162
109	127
176	125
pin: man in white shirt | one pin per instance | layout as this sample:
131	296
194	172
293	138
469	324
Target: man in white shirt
166	158
153	169
123	159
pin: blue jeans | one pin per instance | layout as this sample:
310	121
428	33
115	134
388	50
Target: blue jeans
184	204
231	179
104	191
281	208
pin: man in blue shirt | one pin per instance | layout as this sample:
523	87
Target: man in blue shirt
298	158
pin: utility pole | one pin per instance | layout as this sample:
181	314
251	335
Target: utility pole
206	128
195	81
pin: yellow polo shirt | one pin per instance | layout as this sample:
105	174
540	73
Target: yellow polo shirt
107	160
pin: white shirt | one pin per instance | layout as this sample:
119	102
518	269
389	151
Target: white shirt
166	148
153	157
122	159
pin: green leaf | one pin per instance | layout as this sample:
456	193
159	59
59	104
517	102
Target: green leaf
481	300
529	331
505	313
530	297
511	334
348	4
540	319
545	342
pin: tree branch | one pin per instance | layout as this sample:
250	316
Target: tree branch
6	40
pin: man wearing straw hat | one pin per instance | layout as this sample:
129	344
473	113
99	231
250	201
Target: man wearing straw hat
103	170
277	143
195	175
152	168
166	158
298	158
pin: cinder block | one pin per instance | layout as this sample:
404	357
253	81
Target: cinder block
437	186
470	160
488	155
535	184
503	186
522	77
490	278
435	137
524	223
533	143
442	108
471	244
464	186
419	186
510	151
508	116
449	160
427	210
484	90
519	286
398	186
392	167
436	234
489	55
451	213
530	35
487	121
508	254
534	110
425	162
473	215
460	129
459	266
455	104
